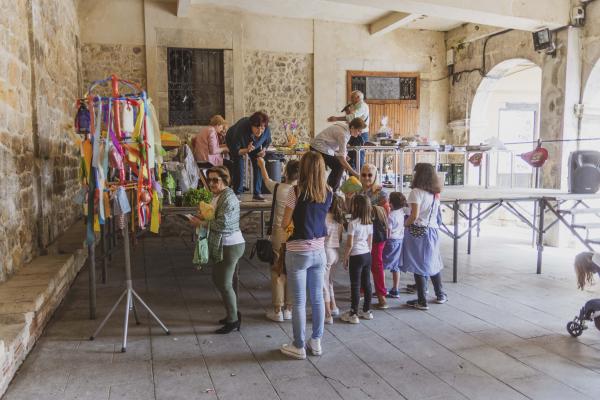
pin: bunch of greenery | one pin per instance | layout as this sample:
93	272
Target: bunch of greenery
193	197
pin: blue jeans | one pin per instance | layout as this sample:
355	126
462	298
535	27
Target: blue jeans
239	172
358	141
302	268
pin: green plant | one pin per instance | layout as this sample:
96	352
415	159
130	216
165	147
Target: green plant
193	197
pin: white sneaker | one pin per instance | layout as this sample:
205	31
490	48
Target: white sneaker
314	345
365	314
275	316
350	318
335	312
292	351
287	315
329	320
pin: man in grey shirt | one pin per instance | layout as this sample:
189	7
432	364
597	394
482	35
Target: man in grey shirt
331	143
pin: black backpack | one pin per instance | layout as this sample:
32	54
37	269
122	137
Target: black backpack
379	230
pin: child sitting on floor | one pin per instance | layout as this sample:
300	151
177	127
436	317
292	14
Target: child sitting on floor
392	251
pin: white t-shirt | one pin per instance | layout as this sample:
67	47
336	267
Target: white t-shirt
396	223
232	238
282	194
332	140
333	232
360	236
360	110
428	207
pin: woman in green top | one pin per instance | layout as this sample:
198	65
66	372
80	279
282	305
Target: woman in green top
225	243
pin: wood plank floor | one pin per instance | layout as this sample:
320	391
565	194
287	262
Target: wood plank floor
501	336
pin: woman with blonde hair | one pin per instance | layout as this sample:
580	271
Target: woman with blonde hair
306	207
369	178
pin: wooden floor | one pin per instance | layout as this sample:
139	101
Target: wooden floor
501	336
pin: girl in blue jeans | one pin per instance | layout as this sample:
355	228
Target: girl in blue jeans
306	207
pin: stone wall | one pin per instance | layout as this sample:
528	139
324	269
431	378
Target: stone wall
469	56
100	60
469	44
280	84
56	64
18	231
39	80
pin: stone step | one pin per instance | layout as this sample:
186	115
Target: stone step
13	342
30	296
34	283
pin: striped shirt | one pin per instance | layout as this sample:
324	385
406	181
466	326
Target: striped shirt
301	245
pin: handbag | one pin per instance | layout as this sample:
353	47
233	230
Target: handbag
263	247
201	249
419	231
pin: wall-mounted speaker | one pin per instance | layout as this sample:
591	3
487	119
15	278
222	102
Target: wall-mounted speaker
584	171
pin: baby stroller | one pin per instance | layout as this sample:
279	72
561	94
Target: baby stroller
577	326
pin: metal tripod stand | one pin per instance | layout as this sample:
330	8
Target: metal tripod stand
130	294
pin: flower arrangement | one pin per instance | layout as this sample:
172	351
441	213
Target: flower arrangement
290	128
206	210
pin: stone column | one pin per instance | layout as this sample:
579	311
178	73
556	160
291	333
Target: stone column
561	87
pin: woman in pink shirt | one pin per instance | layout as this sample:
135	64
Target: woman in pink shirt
206	145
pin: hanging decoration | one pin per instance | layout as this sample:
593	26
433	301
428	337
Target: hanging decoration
475	159
537	157
120	155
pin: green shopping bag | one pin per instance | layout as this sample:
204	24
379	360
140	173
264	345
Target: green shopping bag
201	248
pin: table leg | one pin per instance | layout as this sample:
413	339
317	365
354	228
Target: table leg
455	238
103	239
469	235
540	235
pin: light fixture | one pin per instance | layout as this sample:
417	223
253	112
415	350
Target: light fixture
543	41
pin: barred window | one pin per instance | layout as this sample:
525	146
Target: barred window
196	85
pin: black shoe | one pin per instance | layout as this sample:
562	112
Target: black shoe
417	305
229	326
412	288
258	197
223	321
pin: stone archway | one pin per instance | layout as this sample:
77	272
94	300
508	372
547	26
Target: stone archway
506	106
590	121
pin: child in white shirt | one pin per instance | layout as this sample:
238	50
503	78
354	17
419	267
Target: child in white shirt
392	252
357	258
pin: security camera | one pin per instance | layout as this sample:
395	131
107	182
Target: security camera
578	16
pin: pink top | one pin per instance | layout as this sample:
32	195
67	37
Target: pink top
205	146
301	245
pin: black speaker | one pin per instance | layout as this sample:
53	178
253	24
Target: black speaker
584	171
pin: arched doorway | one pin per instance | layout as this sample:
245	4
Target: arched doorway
590	121
506	106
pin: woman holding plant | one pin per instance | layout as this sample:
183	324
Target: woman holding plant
225	243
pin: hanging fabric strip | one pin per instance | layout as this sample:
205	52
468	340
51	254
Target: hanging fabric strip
139	120
96	133
155	215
